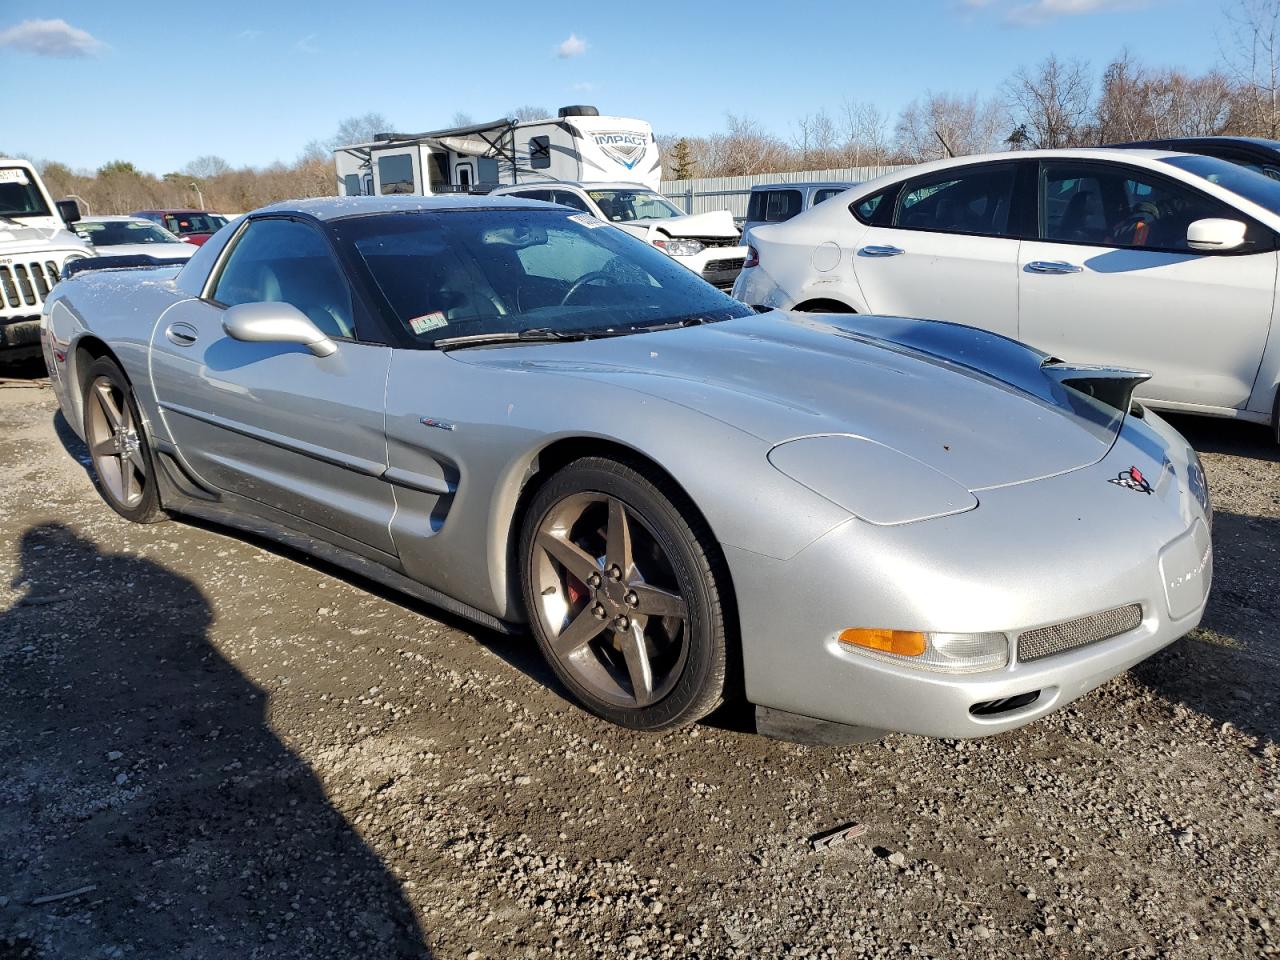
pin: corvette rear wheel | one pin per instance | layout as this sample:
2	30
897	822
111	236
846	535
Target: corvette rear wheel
624	596
118	444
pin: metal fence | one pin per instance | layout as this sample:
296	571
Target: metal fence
731	193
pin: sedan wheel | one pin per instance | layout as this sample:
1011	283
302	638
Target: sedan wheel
117	444
623	597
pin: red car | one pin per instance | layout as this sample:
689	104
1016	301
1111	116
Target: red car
193	226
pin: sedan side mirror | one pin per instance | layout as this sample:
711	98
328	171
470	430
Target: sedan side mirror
69	210
276	323
1215	234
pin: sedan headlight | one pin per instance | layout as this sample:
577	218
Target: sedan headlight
680	248
939	652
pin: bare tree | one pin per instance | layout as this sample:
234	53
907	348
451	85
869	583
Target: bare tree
940	125
1251	49
206	166
360	129
1052	103
462	119
865	132
528	112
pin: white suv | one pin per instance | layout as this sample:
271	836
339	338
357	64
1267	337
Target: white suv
709	244
35	244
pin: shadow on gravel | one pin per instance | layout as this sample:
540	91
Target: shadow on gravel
146	806
1234	437
1229	669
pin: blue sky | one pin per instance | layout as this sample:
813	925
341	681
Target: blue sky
159	83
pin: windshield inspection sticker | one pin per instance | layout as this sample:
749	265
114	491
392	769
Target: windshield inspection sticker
428	322
14	175
587	220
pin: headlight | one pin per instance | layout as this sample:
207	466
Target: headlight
680	248
938	652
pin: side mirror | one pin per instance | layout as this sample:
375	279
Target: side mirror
1215	234
276	323
69	210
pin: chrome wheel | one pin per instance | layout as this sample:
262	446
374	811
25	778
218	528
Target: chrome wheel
114	443
607	598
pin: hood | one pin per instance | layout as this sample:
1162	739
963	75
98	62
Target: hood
716	223
160	251
782	376
17	236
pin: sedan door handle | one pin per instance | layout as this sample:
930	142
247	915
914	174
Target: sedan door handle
881	250
182	334
1053	266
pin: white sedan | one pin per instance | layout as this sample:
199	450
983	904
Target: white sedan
133	236
1155	260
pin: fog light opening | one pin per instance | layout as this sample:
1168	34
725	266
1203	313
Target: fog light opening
993	708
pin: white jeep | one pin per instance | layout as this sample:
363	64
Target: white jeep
35	243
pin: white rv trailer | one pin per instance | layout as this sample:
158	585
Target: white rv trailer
578	145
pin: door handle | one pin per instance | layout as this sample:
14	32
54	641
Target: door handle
1053	266
182	334
881	250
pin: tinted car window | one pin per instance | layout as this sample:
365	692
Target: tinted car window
1261	189
1120	206
826	194
571	199
546	196
865	210
487	272
285	261
973	201
395	173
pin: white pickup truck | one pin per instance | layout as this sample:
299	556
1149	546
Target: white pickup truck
35	244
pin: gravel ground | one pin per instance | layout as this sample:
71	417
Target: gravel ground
214	748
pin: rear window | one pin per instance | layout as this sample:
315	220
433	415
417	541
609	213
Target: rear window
774	206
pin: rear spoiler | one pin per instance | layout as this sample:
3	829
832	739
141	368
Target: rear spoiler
72	267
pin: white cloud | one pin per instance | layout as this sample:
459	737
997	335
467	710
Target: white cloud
50	38
307	44
1026	12
574	46
249	34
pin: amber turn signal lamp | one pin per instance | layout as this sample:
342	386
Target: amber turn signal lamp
905	643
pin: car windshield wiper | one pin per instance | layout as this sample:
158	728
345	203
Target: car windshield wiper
532	335
693	320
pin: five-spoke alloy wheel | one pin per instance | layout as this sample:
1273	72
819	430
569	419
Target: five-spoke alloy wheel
623	595
118	445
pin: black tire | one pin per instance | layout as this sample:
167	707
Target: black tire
700	577
146	508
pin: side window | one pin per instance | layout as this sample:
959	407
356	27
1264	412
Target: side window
351	185
396	173
571	199
972	201
826	194
1121	207
782	205
540	153
866	210
285	261
544	195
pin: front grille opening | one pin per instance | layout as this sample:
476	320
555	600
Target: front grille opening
993	708
1061	637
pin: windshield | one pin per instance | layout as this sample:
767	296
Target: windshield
111	233
19	195
619	206
185	224
1258	187
446	274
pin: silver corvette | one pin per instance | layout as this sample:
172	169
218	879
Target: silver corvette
534	420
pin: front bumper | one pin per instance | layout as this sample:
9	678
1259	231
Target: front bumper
1032	555
19	339
719	266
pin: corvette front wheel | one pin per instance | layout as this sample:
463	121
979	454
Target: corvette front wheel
118	444
625	595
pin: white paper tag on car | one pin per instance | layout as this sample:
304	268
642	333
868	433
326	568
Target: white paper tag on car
14	175
428	322
587	220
